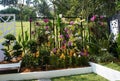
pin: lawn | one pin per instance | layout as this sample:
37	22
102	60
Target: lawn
83	77
112	65
26	26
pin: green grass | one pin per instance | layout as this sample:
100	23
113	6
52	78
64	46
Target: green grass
83	77
112	65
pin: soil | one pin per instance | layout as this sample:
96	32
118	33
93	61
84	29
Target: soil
14	60
30	69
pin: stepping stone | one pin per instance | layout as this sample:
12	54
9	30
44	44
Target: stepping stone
47	79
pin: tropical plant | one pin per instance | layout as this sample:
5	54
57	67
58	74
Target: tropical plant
32	46
117	48
44	59
17	49
30	61
9	40
24	42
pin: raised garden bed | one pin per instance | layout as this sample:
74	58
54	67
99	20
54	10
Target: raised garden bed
10	66
110	74
45	74
103	71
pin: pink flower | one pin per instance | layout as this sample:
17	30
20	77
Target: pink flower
93	18
46	20
63	47
71	22
54	50
101	23
46	27
61	36
69	43
65	29
101	17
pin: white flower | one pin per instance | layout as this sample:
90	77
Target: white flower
47	32
103	49
79	55
79	38
74	54
76	34
53	36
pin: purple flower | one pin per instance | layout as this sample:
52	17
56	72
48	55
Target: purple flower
84	52
71	22
46	20
69	43
67	36
30	20
93	18
65	29
63	42
54	50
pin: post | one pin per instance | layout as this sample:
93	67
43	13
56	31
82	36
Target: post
30	27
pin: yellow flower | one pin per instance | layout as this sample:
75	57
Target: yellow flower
58	51
37	54
71	52
48	44
23	54
62	56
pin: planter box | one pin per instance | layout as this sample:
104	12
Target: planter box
45	74
10	66
110	74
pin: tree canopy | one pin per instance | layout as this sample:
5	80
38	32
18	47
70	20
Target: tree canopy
84	7
70	7
8	2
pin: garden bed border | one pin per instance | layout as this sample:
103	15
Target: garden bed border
108	73
45	74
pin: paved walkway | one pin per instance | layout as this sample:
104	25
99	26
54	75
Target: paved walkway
44	79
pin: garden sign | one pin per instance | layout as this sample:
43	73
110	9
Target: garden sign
7	25
114	26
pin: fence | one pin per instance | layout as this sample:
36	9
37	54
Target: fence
7	25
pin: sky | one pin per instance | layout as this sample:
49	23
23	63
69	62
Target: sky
2	7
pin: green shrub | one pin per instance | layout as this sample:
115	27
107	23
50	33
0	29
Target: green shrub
30	61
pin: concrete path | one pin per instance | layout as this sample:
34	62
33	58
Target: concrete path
47	79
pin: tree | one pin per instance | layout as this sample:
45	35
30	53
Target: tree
42	7
28	12
84	7
11	10
8	2
28	2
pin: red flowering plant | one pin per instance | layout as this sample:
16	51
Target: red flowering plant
99	42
